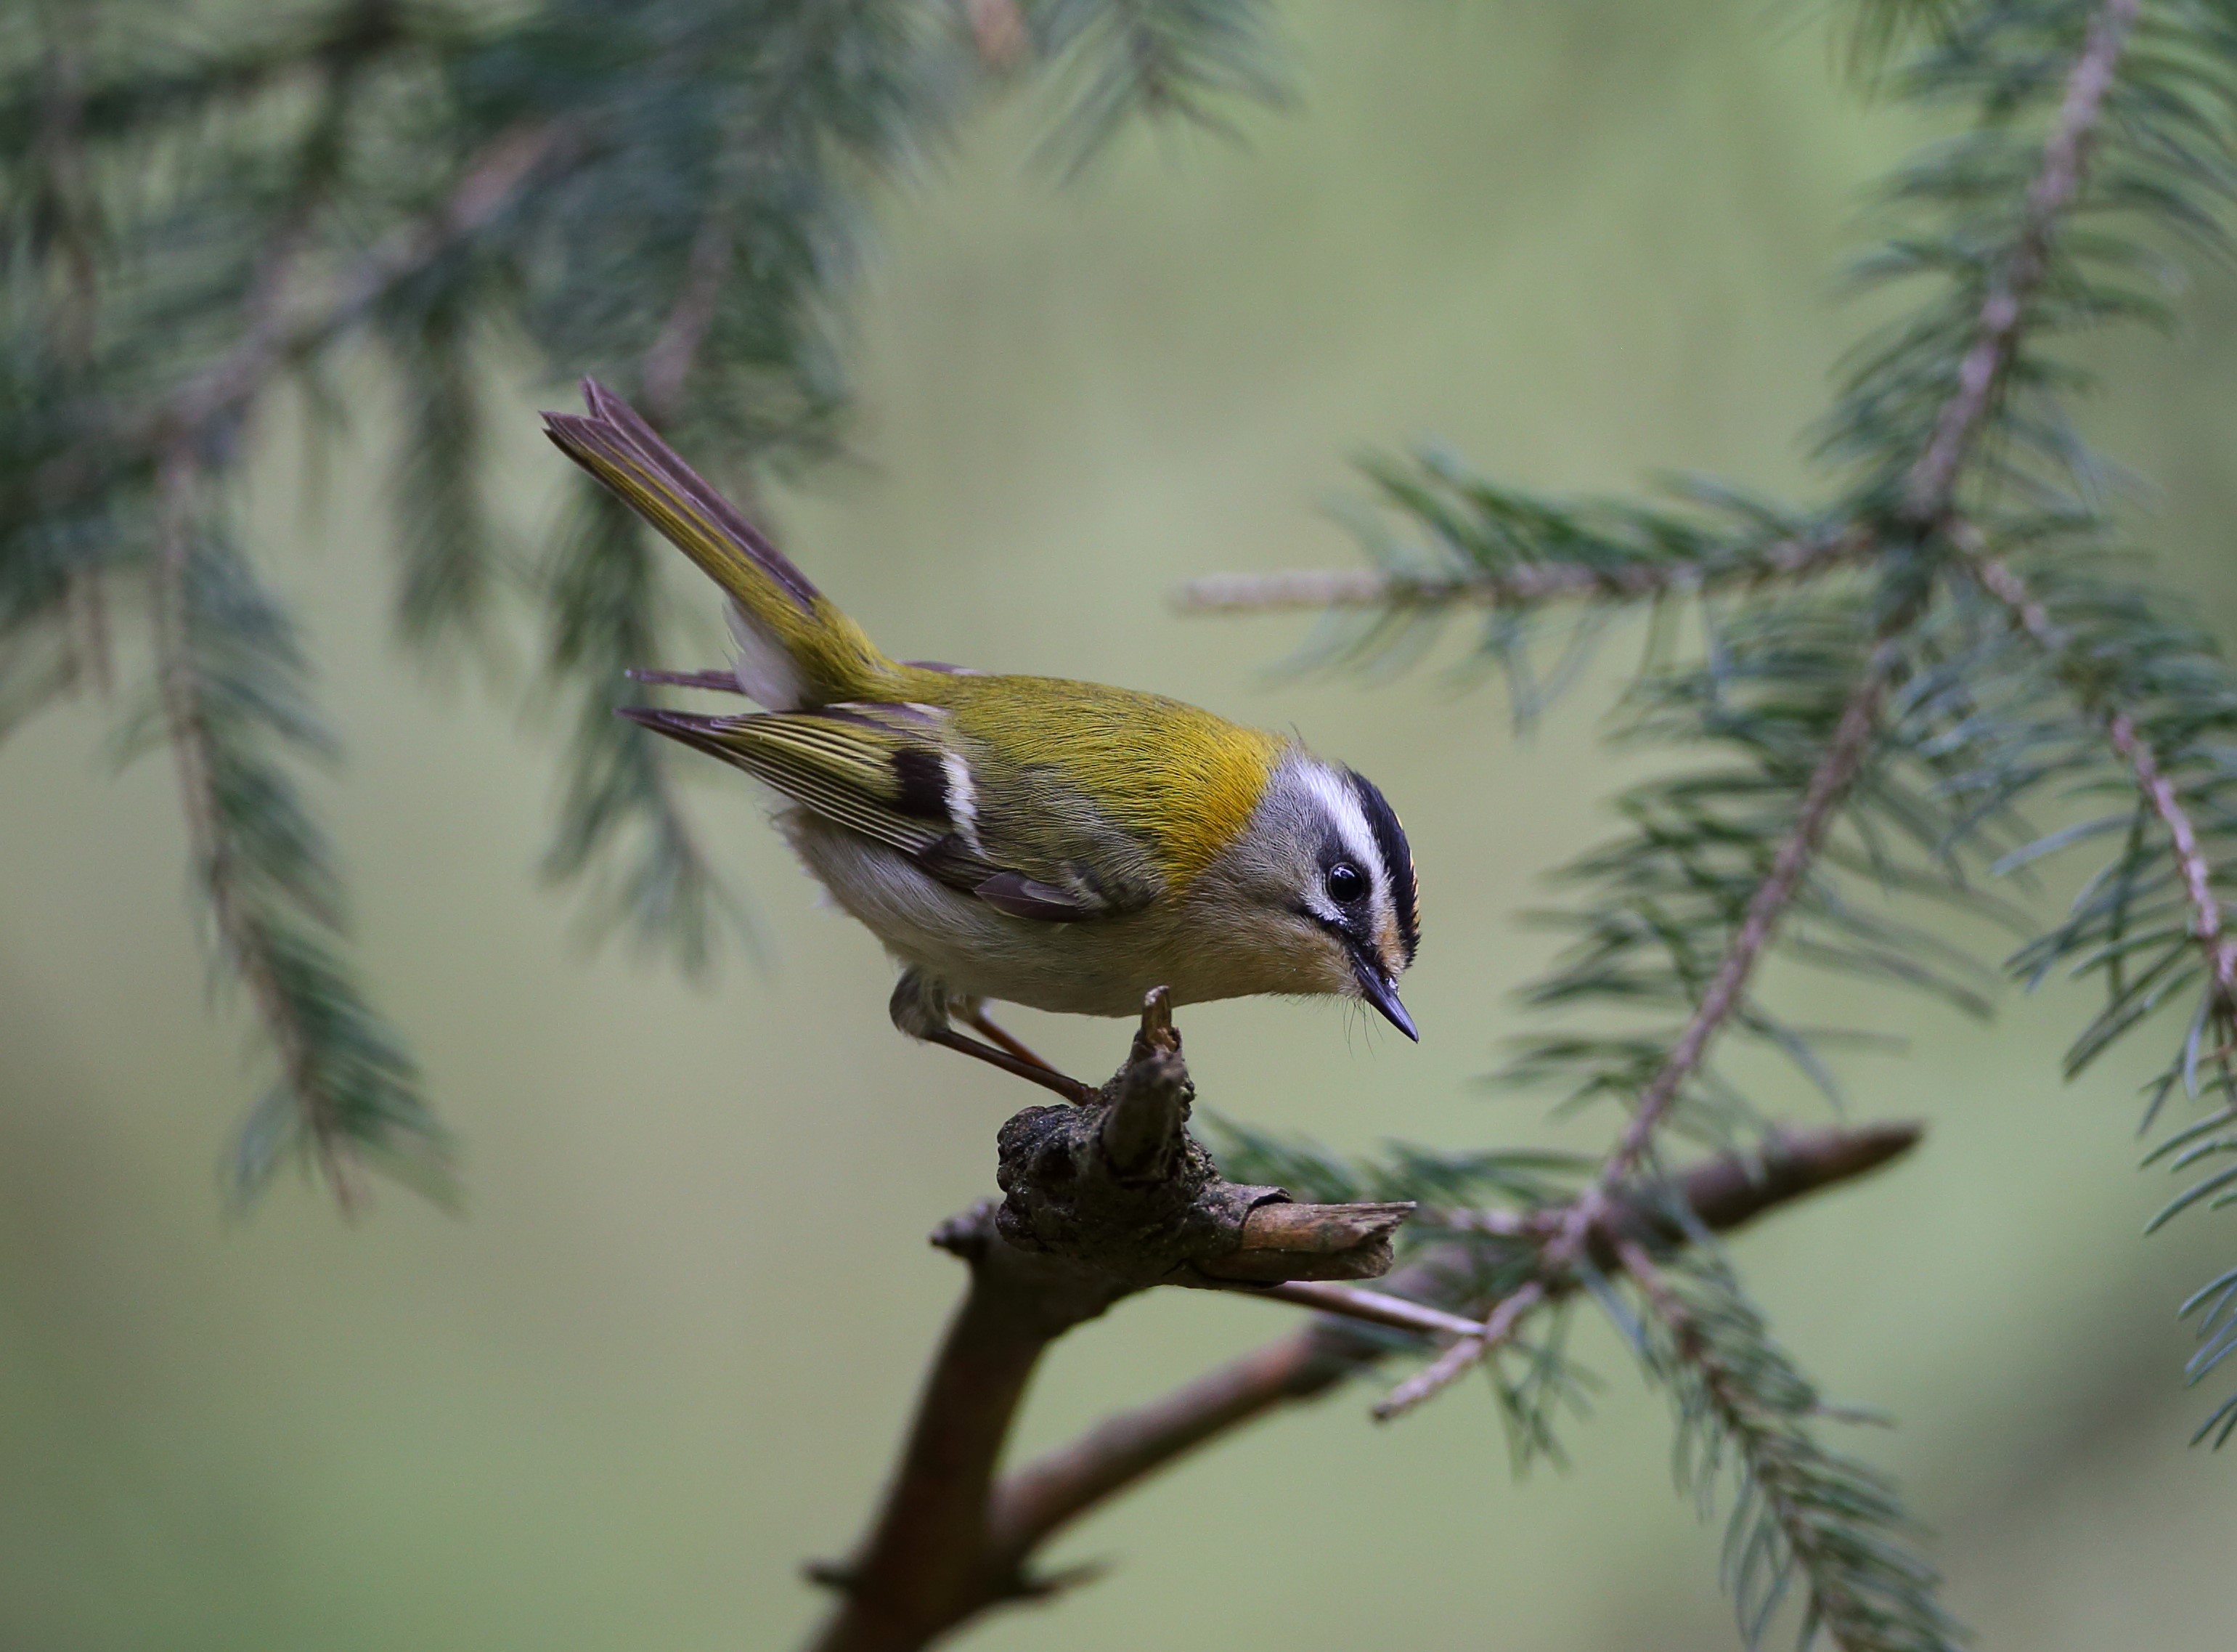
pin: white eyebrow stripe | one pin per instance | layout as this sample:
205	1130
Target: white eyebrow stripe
1340	805
1344	812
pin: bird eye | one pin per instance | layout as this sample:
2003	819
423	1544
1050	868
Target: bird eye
1346	883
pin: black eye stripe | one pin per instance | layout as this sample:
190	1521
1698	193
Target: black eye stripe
1397	858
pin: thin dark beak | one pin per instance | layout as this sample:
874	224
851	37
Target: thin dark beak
1375	987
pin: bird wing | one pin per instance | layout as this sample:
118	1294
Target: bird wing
887	773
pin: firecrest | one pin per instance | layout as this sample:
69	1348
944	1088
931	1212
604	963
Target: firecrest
1059	844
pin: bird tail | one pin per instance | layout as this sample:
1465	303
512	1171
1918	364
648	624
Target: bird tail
795	648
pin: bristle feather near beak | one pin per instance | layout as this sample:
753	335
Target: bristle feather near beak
1376	988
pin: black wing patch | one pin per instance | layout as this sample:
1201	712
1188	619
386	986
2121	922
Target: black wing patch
878	771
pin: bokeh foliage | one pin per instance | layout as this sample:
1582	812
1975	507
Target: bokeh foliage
1958	596
671	195
202	204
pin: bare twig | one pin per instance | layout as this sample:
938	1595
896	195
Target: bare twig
1931	488
1298	1243
1522	586
1369	1307
1448	1367
1030	1505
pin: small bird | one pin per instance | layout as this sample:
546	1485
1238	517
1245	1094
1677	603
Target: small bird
1059	844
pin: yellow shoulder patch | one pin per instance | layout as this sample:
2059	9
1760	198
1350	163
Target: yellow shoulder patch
1217	772
1178	782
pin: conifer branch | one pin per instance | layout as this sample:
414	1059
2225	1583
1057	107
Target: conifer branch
2219	948
245	940
668	364
228	678
2152	785
271	341
1528	584
1822	798
1827	787
1797	1508
1034	1502
65	185
1931	488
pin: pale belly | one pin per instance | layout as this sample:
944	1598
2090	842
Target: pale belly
1100	967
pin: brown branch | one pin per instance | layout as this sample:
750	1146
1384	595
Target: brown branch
950	1542
1034	1503
1080	1229
928	1562
1931	488
1101	1200
1522	586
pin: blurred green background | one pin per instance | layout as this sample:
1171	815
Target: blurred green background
666	1353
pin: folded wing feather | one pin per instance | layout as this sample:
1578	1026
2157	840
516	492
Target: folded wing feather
882	772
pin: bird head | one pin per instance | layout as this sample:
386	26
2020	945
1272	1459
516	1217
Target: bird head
1327	874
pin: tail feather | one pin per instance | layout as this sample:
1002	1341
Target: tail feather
613	442
740	536
797	647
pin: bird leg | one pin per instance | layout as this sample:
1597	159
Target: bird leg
980	1022
923	1007
1029	1067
